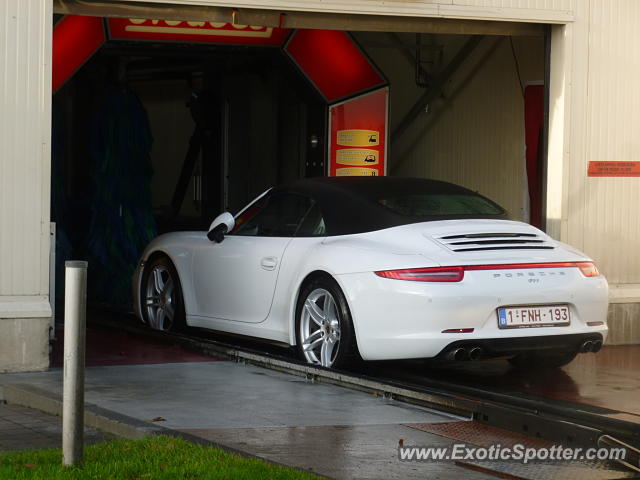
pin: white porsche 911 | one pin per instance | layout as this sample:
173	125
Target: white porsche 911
381	267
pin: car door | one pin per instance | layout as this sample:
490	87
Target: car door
235	280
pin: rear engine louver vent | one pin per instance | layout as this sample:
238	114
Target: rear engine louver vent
471	242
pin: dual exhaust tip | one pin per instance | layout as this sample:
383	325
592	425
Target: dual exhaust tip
461	353
590	346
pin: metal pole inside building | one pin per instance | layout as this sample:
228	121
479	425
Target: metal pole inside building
75	302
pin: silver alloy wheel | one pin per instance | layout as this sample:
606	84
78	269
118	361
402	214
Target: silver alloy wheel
159	298
320	328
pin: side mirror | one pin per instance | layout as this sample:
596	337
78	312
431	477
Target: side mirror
222	224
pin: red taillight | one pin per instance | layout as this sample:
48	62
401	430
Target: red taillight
588	269
456	274
435	274
516	266
458	330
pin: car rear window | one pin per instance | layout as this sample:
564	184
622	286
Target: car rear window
440	204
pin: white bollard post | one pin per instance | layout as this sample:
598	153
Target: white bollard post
75	309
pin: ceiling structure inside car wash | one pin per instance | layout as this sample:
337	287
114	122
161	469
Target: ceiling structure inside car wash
363	135
354	90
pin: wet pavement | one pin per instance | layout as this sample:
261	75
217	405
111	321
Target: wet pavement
607	383
326	429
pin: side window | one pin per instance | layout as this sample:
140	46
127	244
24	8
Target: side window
248	214
277	215
313	224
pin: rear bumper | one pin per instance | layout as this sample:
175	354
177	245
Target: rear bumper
498	347
396	319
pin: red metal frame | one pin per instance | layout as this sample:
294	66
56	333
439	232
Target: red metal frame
75	39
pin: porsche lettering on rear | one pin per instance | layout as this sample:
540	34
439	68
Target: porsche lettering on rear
528	274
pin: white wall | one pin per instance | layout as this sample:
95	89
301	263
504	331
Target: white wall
25	130
595	108
605	218
595	96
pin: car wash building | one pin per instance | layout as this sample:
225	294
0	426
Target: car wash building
124	119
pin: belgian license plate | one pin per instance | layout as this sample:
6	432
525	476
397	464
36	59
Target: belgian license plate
533	316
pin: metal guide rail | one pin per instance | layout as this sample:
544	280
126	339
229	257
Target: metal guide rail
551	420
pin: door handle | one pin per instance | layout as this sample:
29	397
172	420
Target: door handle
269	263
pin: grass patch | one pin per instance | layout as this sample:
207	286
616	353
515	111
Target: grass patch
154	457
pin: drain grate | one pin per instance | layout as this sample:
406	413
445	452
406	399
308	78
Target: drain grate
480	434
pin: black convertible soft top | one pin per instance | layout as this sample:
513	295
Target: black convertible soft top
351	205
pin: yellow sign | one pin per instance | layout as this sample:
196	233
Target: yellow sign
356	172
357	157
358	138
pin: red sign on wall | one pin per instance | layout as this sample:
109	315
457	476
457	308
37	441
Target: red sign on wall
358	136
183	31
614	169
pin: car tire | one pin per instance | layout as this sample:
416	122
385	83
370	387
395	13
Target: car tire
539	360
324	328
161	300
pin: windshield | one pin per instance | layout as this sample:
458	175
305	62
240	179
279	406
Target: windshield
441	204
